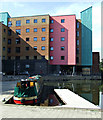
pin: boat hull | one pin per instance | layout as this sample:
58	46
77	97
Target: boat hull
25	100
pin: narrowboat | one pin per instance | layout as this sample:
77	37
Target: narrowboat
25	91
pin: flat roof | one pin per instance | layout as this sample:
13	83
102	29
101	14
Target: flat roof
63	15
86	9
31	16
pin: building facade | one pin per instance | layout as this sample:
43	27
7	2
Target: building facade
64	42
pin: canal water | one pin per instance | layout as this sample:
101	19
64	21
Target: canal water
88	89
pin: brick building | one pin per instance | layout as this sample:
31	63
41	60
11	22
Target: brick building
56	42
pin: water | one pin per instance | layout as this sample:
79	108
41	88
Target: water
88	89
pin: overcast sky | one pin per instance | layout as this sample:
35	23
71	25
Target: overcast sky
16	9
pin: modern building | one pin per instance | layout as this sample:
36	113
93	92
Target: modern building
63	43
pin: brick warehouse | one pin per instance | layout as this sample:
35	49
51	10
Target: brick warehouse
46	44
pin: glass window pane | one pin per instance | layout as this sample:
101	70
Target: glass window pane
35	29
35	20
51	39
27	21
62	29
43	20
62	38
43	29
35	38
43	38
18	23
51	30
62	20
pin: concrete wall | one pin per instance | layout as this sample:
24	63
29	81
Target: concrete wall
69	43
86	22
35	67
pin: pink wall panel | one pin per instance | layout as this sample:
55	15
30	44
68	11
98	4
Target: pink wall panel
69	43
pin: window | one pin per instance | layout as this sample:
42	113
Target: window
43	29
62	57
27	39
43	20
62	48
35	29
35	20
27	30
43	48
3	57
51	39
9	24
62	29
77	33
2	22
77	50
18	23
9	32
9	57
62	39
51	57
77	59
17	40
43	38
27	21
4	39
51	21
27	57
62	20
77	42
3	48
51	48
9	50
51	30
18	32
9	41
27	66
17	57
77	24
4	30
35	47
35	38
35	57
27	48
17	49
43	57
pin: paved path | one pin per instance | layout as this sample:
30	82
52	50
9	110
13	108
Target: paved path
22	111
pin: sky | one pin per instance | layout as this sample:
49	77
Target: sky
17	9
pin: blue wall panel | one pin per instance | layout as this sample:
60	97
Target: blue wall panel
86	23
4	18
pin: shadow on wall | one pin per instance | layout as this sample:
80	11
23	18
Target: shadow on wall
19	54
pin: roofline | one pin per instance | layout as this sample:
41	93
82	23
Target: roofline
3	24
63	15
86	9
31	16
4	13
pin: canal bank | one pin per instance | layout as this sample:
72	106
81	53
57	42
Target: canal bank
85	86
23	111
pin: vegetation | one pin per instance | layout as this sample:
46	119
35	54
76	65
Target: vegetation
101	66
